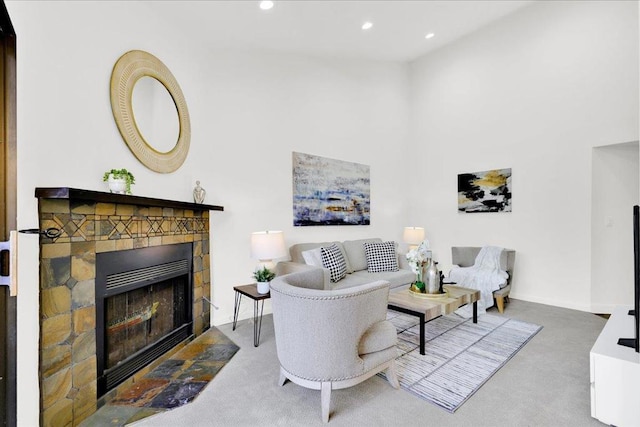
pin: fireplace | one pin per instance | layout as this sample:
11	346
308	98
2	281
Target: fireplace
143	308
153	298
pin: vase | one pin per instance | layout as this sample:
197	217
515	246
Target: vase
418	284
422	272
432	279
263	288
117	185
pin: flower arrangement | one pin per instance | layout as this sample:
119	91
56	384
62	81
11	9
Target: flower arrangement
419	258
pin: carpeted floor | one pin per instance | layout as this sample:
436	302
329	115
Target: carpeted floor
460	355
545	384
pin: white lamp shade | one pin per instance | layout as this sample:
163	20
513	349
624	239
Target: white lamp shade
413	235
267	245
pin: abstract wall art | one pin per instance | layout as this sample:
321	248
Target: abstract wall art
487	191
329	192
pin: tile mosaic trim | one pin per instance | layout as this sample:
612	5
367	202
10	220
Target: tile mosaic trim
87	228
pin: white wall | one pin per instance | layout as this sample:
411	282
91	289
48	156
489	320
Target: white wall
615	188
533	92
249	111
517	94
257	109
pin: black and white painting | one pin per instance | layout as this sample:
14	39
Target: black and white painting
487	191
329	192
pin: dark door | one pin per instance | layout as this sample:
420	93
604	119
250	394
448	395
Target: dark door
7	214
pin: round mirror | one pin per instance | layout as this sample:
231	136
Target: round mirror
149	129
155	114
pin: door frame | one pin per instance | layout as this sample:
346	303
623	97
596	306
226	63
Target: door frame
8	214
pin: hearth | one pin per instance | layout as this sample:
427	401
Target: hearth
143	308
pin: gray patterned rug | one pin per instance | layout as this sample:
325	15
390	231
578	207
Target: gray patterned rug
460	355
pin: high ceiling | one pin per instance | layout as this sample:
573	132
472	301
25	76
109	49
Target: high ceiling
333	28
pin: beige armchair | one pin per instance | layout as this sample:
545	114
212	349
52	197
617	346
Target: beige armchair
328	340
465	256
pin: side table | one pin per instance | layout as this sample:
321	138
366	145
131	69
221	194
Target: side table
250	291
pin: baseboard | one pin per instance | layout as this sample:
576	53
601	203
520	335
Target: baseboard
603	308
551	302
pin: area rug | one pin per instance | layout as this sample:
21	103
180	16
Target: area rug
460	355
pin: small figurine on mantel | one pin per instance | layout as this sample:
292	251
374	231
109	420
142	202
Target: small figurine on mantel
199	193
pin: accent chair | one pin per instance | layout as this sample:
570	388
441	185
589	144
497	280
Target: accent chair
329	340
465	256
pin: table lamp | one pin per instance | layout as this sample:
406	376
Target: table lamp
267	246
413	236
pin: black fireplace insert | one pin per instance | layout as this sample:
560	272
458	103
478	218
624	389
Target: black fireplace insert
143	308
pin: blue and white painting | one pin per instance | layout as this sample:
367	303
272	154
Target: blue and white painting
329	192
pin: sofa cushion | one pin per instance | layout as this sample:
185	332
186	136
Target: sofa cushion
354	250
296	251
313	257
380	336
381	257
333	259
352	279
395	278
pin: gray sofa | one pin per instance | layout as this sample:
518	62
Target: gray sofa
357	274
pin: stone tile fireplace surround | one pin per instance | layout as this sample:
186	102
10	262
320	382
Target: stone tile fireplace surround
93	222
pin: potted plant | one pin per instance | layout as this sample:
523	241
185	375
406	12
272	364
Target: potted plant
263	276
119	180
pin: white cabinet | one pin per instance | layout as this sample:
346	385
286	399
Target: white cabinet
615	373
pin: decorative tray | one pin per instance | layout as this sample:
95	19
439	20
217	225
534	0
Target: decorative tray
443	295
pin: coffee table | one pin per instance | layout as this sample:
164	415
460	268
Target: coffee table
428	309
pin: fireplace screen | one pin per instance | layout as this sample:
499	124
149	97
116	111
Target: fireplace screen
143	308
138	318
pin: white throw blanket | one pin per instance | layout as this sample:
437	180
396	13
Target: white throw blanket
485	275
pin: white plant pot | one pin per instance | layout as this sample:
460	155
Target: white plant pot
263	287
117	185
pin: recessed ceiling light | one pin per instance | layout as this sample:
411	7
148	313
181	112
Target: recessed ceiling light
266	4
428	36
367	25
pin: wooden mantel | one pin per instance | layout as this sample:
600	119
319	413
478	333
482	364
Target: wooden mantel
104	197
